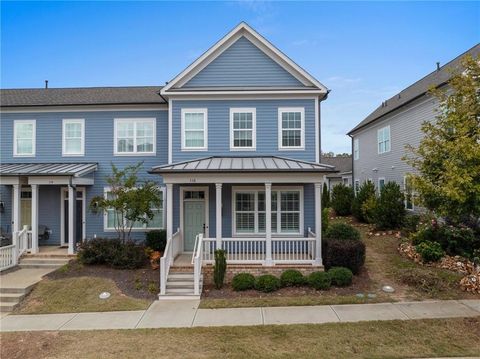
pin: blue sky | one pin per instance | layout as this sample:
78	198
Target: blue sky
364	52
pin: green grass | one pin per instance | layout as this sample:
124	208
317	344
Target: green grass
388	339
77	294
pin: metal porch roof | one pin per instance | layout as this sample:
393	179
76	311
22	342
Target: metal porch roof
47	169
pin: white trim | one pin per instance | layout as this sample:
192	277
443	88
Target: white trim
204	111
247	92
253	111
242	96
247	178
81	121
378	183
242	30
170	132
405	192
134	120
281	110
63	197
34	138
83	108
206	189
256	189
384	140
356	149
317	130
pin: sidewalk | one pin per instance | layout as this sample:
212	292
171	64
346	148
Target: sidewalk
185	314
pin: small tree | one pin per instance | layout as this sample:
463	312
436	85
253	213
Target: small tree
366	191
390	208
219	268
131	200
342	199
325	196
448	157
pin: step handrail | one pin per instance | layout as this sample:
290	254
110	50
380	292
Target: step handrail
197	265
169	254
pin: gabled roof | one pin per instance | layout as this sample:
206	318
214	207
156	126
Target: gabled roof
242	164
81	96
436	78
343	164
243	30
47	169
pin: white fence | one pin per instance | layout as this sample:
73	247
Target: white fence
172	249
21	243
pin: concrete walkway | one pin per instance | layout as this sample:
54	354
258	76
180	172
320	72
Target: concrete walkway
185	314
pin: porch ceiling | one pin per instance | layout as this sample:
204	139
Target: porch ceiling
47	169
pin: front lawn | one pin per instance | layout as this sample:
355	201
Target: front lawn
386	339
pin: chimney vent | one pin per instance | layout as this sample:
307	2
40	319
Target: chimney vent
46	84
438	66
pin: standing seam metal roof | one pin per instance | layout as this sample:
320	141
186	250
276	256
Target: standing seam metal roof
47	169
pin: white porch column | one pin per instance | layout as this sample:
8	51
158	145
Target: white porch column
34	218
16	209
169	210
318	223
72	199
218	218
268	224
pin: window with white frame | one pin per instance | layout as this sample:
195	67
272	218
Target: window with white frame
356	149
242	128
157	222
357	186
383	137
73	137
408	193
24	134
381	184
194	129
291	131
135	136
250	213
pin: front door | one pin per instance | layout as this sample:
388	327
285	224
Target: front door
193	222
78	219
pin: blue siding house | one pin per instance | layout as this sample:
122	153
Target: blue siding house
233	141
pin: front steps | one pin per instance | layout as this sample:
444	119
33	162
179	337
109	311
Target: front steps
180	285
47	260
10	297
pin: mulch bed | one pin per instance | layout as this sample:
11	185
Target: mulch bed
132	282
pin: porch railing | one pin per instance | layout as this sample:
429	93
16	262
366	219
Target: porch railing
197	263
172	249
21	243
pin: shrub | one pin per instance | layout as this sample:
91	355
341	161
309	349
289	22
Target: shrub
292	278
156	240
344	253
243	281
430	251
390	210
267	283
219	268
342	231
129	256
340	276
325	196
319	280
365	192
341	199
368	209
410	224
325	219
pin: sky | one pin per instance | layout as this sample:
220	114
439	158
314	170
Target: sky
364	52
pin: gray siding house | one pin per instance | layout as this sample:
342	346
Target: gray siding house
378	142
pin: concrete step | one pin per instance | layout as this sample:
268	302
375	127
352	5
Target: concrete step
187	284
180	275
7	307
36	260
178	297
180	290
11	297
23	291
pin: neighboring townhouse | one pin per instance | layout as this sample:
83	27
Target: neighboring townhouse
378	142
343	165
233	141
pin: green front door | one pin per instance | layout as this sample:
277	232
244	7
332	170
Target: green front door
194	222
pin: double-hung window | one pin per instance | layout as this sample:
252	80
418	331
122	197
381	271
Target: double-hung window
73	138
291	128
242	129
113	218
250	211
194	129
383	137
24	133
356	149
135	136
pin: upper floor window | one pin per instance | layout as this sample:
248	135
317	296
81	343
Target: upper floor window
24	134
134	136
356	149
291	128
383	136
194	129
73	138
242	128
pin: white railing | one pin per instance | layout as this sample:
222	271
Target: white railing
172	249
197	263
8	257
244	250
311	234
21	243
293	250
23	240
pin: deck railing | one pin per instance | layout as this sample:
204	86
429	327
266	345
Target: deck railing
21	243
197	263
172	249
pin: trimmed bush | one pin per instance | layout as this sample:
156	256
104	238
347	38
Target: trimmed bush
341	199
340	276
325	219
430	251
390	210
156	240
292	278
219	268
319	280
410	224
130	256
342	231
368	209
365	192
267	283
344	253
243	281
